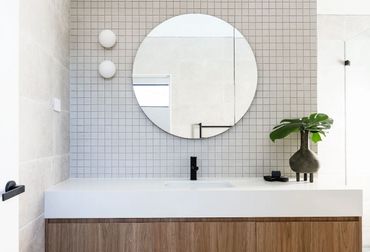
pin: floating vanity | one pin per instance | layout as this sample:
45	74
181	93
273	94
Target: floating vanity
205	215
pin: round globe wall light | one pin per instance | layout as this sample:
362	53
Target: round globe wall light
107	38
107	69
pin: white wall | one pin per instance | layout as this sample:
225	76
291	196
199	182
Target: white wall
343	7
341	21
333	32
330	95
44	134
358	119
337	34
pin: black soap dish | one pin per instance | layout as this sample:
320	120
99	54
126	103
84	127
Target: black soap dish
276	176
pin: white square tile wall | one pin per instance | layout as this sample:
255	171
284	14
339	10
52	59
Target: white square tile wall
111	136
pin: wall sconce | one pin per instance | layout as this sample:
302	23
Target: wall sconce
107	38
107	69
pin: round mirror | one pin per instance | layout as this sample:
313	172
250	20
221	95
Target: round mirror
195	76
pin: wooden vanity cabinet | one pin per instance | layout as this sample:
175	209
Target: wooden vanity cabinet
204	235
309	235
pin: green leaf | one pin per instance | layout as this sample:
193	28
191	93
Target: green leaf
297	120
316	123
318	117
284	130
315	137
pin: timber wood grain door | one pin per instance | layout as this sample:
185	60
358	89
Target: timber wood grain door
309	236
151	236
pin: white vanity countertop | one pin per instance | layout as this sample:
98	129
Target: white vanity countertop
171	198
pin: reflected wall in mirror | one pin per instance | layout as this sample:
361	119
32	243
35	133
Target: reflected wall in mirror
195	76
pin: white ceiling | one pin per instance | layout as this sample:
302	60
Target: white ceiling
343	7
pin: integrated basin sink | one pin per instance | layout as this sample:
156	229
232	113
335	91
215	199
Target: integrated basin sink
198	184
218	198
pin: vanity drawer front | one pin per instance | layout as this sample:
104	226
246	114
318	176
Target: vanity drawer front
150	236
309	236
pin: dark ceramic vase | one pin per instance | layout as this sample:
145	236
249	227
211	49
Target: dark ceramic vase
304	160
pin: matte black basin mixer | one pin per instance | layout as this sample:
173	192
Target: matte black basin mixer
193	168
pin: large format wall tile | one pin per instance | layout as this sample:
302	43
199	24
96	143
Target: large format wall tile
32	236
61	133
35	129
32	174
44	133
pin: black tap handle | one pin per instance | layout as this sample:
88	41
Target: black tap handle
193	161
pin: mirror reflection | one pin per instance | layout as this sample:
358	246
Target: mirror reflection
194	76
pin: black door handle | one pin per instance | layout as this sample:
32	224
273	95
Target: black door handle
12	189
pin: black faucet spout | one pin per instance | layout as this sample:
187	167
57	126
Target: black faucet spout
193	168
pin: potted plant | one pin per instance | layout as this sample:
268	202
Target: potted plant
315	127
